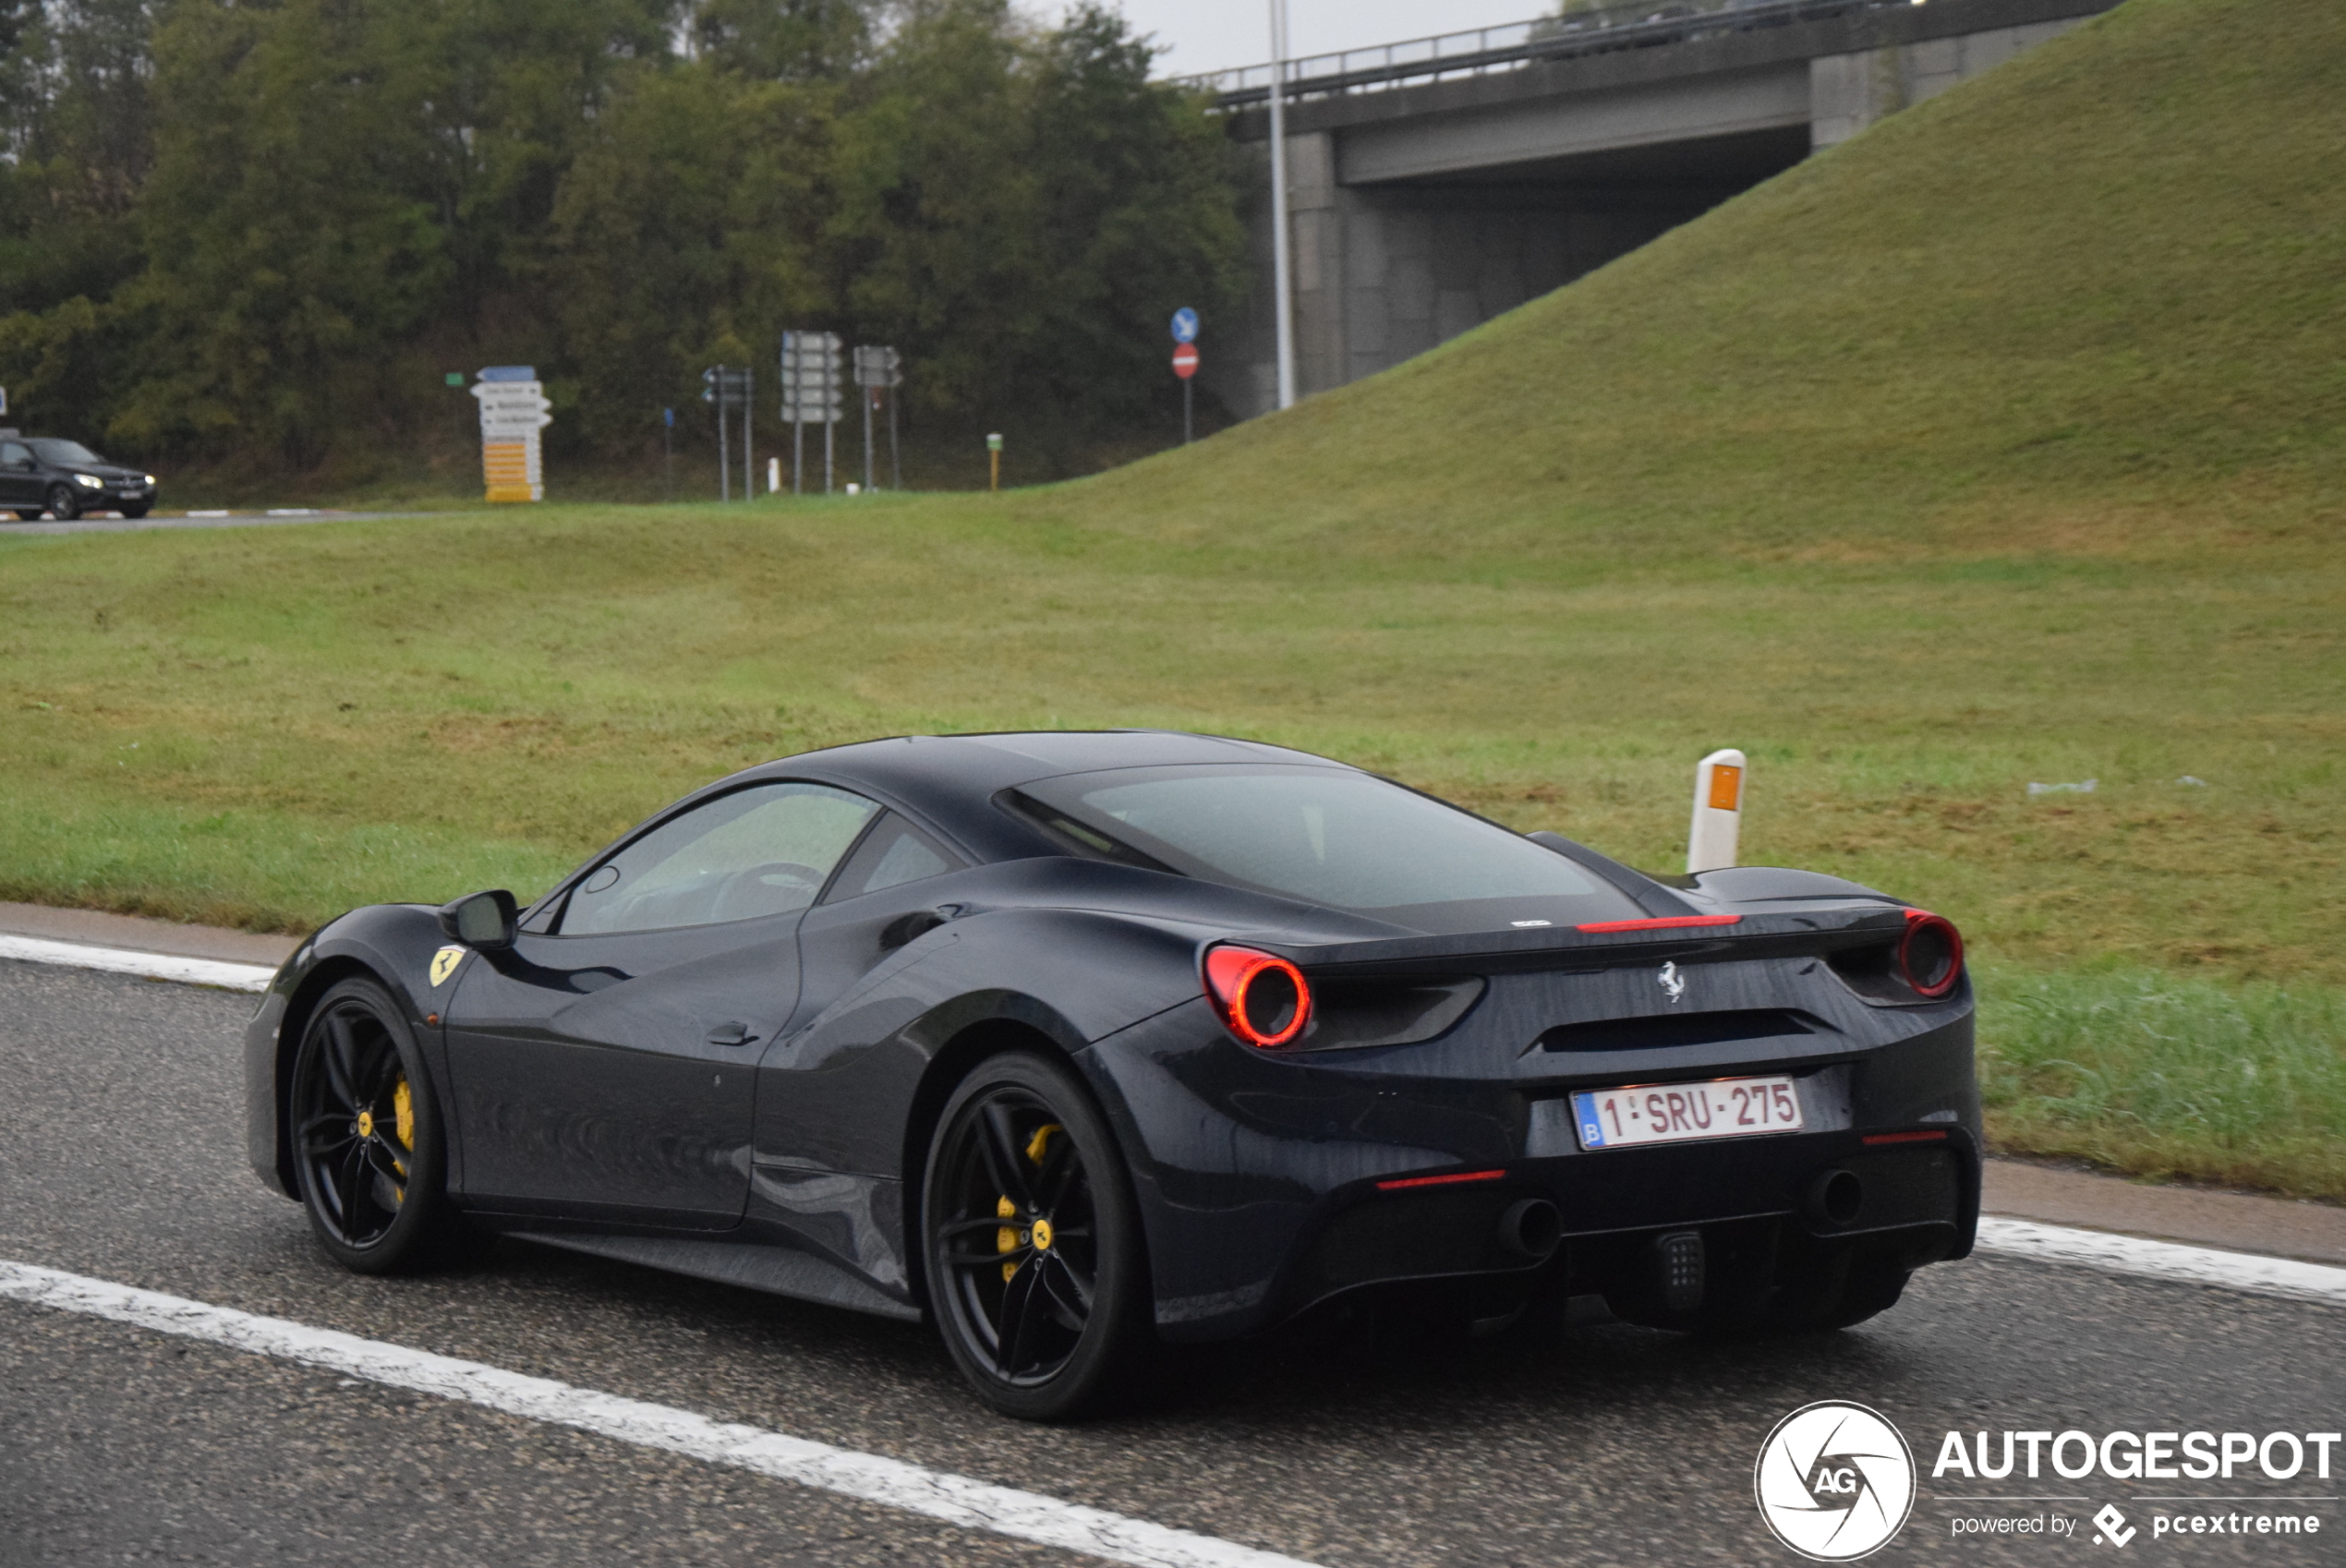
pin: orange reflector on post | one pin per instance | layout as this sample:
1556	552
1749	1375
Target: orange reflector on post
1726	788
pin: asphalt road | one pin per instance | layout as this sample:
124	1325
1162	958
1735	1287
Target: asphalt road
120	1158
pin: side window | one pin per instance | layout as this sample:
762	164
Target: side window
763	851
15	455
893	853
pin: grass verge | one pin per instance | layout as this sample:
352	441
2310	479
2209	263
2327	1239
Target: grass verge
2160	1075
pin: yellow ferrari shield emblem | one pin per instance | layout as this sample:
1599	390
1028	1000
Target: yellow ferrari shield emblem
443	964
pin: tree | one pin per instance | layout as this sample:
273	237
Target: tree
1022	211
683	237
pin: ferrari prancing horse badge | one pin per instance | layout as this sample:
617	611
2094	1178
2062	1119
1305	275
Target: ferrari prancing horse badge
443	964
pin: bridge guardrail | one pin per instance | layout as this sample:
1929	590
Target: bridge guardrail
1513	46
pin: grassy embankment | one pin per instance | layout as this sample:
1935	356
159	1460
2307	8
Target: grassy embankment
2002	444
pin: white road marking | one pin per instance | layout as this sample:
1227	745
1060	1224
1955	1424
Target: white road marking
152	966
957	1499
2162	1260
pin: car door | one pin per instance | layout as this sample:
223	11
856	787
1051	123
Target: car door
604	1068
19	476
823	1093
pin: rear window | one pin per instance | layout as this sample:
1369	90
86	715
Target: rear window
1325	835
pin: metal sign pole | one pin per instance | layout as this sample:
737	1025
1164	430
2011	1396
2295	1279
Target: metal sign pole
1188	424
724	457
749	463
867	395
830	404
895	457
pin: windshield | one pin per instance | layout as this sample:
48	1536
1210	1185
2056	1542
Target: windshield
52	450
1331	836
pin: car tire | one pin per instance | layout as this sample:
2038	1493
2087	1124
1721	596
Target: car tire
1037	1272
64	506
370	1152
133	512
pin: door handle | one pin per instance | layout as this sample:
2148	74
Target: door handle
730	1035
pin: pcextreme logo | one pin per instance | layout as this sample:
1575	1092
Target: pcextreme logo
1834	1482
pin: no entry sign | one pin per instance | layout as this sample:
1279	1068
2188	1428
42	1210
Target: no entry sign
1185	361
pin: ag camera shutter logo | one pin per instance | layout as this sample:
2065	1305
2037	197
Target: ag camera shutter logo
1835	1481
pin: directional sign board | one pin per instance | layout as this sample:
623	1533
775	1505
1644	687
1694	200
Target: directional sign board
878	368
1185	361
1185	325
513	410
813	379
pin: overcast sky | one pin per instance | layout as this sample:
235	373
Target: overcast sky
1213	35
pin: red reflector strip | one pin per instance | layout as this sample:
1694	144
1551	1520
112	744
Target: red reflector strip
1874	1138
1658	925
1447	1178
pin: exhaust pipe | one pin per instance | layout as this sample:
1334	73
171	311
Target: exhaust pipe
1531	1229
1834	1200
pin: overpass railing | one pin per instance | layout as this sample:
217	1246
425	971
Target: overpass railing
1596	31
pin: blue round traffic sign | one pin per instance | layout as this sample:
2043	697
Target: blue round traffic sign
1185	325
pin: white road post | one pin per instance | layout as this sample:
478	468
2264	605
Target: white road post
1718	811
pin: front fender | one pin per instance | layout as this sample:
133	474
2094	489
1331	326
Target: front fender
391	943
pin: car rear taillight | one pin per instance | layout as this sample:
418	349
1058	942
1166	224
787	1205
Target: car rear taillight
1261	998
1930	955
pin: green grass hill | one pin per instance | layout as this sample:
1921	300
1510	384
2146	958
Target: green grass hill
2004	443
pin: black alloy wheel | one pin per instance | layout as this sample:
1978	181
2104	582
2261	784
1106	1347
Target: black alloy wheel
64	506
368	1153
1033	1251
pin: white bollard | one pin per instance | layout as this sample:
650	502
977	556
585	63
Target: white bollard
1718	811
773	475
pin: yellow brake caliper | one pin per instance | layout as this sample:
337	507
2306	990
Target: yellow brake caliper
402	1105
1007	1239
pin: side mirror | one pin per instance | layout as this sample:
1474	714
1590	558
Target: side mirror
484	922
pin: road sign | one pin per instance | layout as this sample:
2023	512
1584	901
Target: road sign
1185	361
814	393
513	410
814	381
878	368
4	400
1185	325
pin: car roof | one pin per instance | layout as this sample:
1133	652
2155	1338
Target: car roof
953	779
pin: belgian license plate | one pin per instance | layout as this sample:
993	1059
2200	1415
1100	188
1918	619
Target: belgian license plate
1685	1113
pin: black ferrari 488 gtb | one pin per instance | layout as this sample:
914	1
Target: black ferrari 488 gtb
1072	1043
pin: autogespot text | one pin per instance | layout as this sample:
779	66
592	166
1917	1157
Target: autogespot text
2133	1456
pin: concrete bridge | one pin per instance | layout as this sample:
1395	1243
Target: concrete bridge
1434	184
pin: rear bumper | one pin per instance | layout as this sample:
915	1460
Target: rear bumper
1258	1181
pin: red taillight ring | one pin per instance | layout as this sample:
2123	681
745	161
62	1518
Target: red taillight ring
1231	974
1918	922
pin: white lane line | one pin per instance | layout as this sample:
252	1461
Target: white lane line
152	966
2162	1260
957	1499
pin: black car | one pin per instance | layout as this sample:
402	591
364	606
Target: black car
1073	1041
64	479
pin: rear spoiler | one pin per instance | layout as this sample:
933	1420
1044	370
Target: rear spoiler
1810	932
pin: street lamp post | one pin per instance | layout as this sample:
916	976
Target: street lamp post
1282	281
